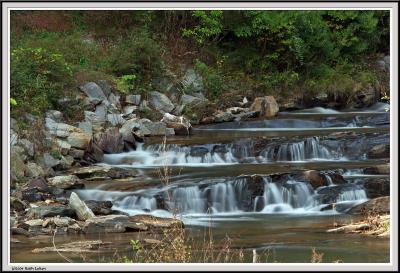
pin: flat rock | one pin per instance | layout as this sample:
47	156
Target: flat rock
65	182
50	211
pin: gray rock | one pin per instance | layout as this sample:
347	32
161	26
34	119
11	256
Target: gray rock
105	87
65	182
63	146
14	124
129	109
192	81
63	221
114	100
34	222
100	207
94	93
169	131
82	211
223	116
143	127
115	119
149	128
76	153
34	170
144	105
17	165
245	115
101	112
28	147
49	161
17	204
86	127
133	99
54	115
161	102
50	211
111	141
79	140
60	129
112	224
13	138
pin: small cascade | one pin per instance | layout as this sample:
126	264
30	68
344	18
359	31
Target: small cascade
214	198
137	203
239	195
357	194
285	198
309	149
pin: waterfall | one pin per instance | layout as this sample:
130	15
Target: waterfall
238	195
309	149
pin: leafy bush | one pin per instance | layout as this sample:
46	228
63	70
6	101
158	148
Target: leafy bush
214	79
126	83
38	79
137	54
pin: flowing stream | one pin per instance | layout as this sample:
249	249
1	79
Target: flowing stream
224	177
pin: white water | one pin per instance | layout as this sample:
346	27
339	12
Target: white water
231	197
207	155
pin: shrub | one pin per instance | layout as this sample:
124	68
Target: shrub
214	78
38	79
126	83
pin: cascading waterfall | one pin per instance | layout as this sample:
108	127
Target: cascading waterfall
219	154
305	150
230	196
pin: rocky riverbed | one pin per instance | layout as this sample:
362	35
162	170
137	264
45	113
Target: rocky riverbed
113	171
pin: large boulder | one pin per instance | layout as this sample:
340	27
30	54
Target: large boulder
380	205
181	125
65	182
82	211
266	106
161	102
94	93
79	140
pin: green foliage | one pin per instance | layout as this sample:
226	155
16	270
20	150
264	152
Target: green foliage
136	54
126	83
214	79
56	154
209	26
38	78
13	102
